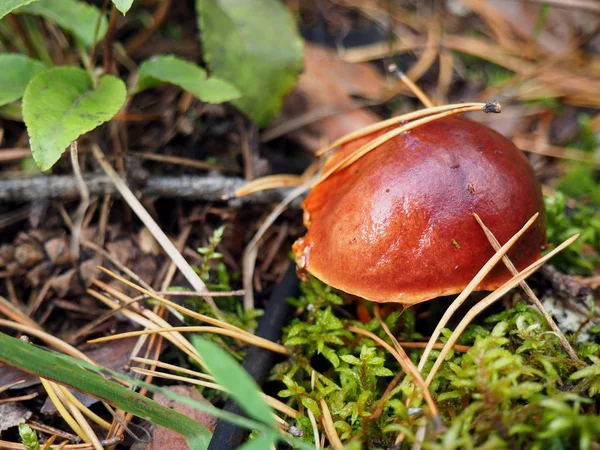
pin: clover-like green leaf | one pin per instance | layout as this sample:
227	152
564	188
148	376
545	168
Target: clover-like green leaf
16	72
7	6
186	75
123	5
256	47
61	104
77	17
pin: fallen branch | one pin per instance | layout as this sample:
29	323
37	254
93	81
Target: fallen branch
188	187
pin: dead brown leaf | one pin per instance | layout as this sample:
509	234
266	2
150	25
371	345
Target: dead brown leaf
165	439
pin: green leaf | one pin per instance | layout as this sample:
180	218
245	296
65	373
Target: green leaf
16	73
229	374
186	75
55	367
256	47
61	104
7	6
123	5
28	437
351	360
77	17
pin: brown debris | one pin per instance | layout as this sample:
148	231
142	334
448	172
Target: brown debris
165	439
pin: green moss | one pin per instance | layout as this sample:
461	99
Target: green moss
515	387
561	223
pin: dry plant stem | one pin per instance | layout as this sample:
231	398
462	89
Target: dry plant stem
84	409
377	313
185	268
158	18
423	98
396	120
163	365
48	339
189	312
49	442
187	162
20	398
123	268
534	299
63	411
14	446
78	416
436	346
273	402
408	366
6	387
159	323
251	250
175	338
487	301
330	430
470	287
248	338
14	313
379	140
83	205
108	40
237	293
315	428
269	182
92	55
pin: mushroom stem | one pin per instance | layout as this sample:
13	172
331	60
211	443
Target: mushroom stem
534	299
470	288
487	301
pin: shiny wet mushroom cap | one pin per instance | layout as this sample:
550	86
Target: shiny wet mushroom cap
397	225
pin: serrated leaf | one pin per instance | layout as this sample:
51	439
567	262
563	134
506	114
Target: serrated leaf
77	17
350	359
186	75
330	354
256	47
59	368
382	372
123	5
7	6
61	104
16	72
229	374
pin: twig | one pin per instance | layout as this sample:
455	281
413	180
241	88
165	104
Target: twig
160	236
108	40
83	205
187	187
508	263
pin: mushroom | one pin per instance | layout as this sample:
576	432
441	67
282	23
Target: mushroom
397	225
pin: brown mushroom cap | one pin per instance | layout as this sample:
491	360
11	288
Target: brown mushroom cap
398	225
